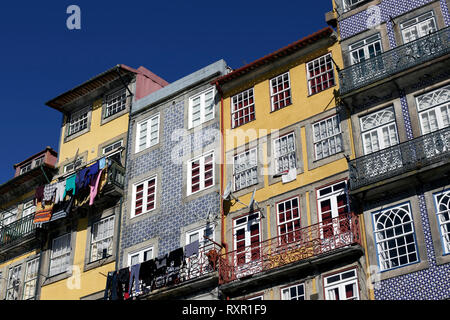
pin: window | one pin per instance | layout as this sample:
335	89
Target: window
31	274
201	108
140	256
379	130
350	4
247	238
199	264
418	27
13	285
288	214
296	292
72	166
25	168
144	197
38	162
102	239
284	153
261	297
9	216
242	108
342	286
200	173
245	169
116	102
365	49
280	91
434	109
28	209
78	121
394	237
320	74
327	137
60	255
334	211
147	133
113	146
442	201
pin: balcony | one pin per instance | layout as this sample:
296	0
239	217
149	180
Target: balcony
321	241
394	61
412	157
17	232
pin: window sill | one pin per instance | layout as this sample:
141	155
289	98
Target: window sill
114	116
243	124
314	94
288	105
96	264
76	135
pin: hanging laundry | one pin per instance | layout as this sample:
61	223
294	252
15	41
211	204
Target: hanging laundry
102	163
93	185
192	249
70	185
60	191
49	192
147	272
39	195
176	256
134	277
43	213
62	209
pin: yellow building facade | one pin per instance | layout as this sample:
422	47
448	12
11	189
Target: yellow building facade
284	178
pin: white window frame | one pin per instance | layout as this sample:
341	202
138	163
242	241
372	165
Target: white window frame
365	45
260	297
284	94
202	173
114	146
286	293
102	236
11	216
151	136
202	108
245	169
72	165
288	236
145	195
201	232
340	283
142	255
436	102
245	224
62	257
30	281
13	284
289	155
316	64
377	132
28	208
388	235
246	96
348	5
443	217
78	121
26	167
115	102
329	139
417	23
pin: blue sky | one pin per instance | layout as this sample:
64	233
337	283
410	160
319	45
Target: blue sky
41	58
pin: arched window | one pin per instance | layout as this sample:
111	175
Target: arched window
443	213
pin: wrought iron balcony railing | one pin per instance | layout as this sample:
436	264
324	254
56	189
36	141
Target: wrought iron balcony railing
309	242
17	230
394	61
116	174
407	156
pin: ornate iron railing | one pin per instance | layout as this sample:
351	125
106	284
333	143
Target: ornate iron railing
17	230
309	242
407	156
116	174
394	61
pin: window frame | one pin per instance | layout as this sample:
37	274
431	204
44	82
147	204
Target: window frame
201	174
417	23
145	196
309	78
256	220
364	44
234	100
335	136
341	283
95	242
282	92
436	107
117	94
442	233
77	163
67	252
80	115
395	237
148	140
141	255
288	288
276	157
247	154
32	279
291	221
202	96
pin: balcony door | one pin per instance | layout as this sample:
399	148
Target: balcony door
418	27
434	116
334	216
366	56
247	244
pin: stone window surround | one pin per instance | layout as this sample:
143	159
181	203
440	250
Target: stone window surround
296	129
258	144
68	138
358	9
342	270
64	163
346	150
153	243
123	137
143	177
413	200
441	257
61	229
196	226
120	113
399	120
193	92
113	211
134	124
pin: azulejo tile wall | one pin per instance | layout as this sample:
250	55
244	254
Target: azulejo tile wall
174	213
432	283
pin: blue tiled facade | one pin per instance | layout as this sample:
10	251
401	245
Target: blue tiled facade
175	209
432	282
